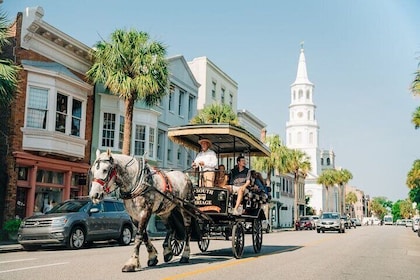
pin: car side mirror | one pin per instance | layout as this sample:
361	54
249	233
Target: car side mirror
93	210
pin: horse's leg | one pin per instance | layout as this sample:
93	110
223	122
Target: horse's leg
167	249
153	259
133	262
185	258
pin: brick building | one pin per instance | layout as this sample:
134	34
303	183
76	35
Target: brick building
47	129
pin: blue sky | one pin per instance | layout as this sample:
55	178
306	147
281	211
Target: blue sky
361	56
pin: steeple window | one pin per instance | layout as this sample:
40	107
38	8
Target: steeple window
308	94
311	137
328	161
294	95
299	137
309	115
300	94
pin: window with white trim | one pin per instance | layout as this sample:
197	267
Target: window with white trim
108	130
139	140
76	117
61	113
181	102
37	108
213	90
190	107
171	97
121	132
151	142
160	144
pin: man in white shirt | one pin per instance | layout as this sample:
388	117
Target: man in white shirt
206	160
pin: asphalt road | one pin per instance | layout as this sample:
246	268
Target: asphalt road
369	252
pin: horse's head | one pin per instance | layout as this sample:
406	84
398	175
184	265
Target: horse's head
103	175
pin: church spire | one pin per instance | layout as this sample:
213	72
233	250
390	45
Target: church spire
302	75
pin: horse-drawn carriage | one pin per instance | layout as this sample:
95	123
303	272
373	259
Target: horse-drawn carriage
190	211
216	202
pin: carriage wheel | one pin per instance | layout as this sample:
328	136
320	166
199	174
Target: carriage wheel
177	246
238	240
257	235
203	244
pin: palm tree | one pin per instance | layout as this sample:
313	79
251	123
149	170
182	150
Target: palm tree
351	198
273	162
216	113
328	178
416	118
8	71
132	67
297	163
343	177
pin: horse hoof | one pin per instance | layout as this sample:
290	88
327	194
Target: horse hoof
152	262
184	260
168	257
128	268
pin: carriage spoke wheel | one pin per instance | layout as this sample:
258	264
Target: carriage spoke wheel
177	246
238	239
203	244
257	235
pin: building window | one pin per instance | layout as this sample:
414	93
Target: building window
170	149
328	161
180	102
108	130
190	107
121	132
139	140
160	142
76	118
299	138
37	108
322	161
179	156
231	100
311	137
307	94
222	97
171	97
213	90
61	113
294	95
151	142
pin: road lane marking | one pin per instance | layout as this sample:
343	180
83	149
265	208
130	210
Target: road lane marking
21	260
223	265
32	267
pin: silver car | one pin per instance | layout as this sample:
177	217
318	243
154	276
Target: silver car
330	221
77	222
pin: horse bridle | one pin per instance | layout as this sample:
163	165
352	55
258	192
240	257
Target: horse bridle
111	174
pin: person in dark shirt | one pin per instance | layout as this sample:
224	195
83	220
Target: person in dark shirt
239	180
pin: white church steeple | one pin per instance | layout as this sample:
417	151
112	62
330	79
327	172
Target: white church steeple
302	127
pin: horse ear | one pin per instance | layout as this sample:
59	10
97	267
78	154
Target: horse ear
97	153
108	152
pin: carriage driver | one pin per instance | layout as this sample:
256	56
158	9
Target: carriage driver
239	180
206	160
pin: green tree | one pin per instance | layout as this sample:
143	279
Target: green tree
343	177
378	208
297	163
133	67
351	198
216	113
8	71
415	89
328	178
406	209
413	176
274	161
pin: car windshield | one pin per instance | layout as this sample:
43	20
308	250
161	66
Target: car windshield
71	206
330	216
304	218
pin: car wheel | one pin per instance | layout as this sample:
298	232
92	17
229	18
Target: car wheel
318	231
126	236
267	230
77	238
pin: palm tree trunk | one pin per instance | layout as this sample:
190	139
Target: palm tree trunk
295	186
128	125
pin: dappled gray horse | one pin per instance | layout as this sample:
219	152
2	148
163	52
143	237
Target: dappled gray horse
145	191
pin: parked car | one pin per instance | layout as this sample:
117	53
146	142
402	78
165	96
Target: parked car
77	222
264	223
415	226
330	221
305	222
408	223
356	222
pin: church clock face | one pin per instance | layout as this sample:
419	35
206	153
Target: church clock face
300	115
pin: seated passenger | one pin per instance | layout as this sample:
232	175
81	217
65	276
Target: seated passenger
221	176
239	180
258	182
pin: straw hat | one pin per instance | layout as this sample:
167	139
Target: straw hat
204	140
